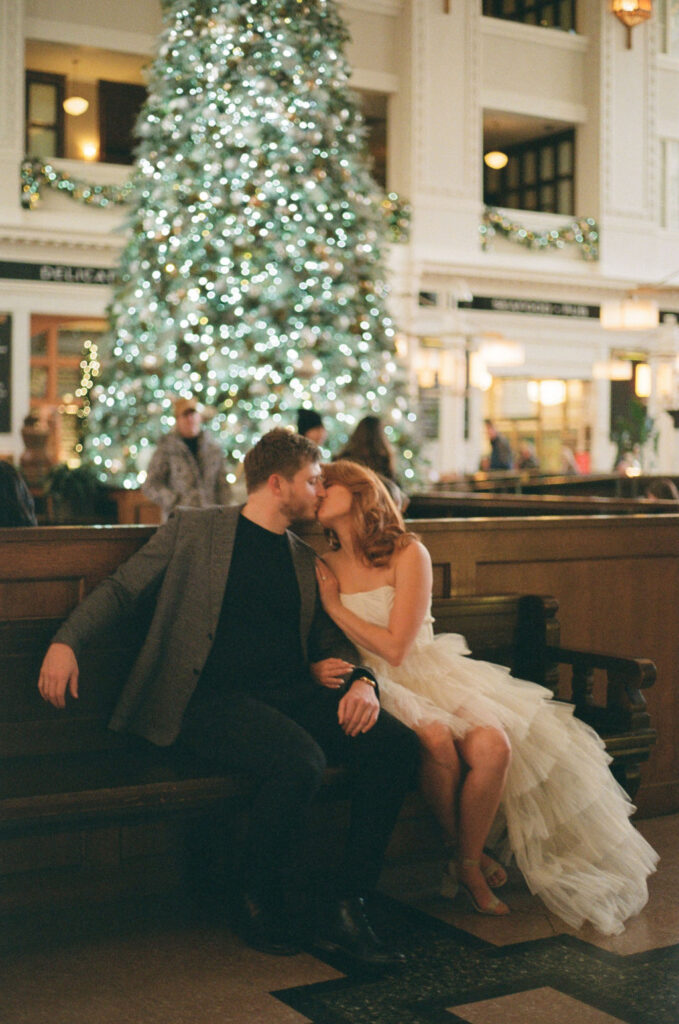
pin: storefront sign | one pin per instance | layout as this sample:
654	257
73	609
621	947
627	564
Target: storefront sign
59	272
5	373
532	307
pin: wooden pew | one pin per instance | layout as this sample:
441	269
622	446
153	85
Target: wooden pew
458	504
534	481
78	796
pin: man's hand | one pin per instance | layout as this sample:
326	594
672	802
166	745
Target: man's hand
358	709
59	672
330	672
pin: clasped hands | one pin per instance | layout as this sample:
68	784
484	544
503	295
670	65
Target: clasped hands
359	708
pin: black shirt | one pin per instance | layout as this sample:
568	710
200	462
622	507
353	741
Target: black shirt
257	647
192	444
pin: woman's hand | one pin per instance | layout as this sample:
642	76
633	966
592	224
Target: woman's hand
328	586
330	672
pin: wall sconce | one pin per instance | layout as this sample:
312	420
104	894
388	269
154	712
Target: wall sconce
631	13
440	366
547	392
426	365
642	380
75	105
500	351
665	381
496	159
89	150
630	314
612	369
401	348
479	377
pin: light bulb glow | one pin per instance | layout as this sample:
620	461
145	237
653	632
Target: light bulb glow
75	105
496	159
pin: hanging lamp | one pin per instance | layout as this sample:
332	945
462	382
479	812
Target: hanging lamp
75	105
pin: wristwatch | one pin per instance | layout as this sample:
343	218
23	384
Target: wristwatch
366	679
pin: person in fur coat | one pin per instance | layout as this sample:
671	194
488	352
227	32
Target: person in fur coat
187	467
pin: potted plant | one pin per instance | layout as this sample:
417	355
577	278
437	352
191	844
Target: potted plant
633	431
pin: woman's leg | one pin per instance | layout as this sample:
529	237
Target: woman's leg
486	752
440	775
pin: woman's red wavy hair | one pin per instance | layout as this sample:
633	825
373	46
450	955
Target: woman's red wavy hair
378	526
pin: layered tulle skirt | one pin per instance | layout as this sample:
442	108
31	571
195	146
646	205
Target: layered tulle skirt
567	819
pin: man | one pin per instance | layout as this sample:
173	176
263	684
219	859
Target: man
500	450
187	467
310	424
242	663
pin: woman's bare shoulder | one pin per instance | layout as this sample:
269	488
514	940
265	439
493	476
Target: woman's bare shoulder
413	555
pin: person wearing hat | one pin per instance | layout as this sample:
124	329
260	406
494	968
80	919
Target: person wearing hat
187	467
310	424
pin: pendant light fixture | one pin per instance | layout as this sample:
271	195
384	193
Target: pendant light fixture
75	105
496	159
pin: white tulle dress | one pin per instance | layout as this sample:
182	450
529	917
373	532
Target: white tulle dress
567	818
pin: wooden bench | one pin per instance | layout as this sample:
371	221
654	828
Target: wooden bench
459	505
66	776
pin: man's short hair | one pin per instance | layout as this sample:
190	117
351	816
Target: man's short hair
280	451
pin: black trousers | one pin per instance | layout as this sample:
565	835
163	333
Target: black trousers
287	752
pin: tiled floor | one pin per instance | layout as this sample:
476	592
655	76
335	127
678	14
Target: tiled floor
159	962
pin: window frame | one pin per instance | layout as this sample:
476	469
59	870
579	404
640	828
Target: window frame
59	124
533	12
516	196
49	405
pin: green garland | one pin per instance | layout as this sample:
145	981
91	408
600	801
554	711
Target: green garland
583	232
36	175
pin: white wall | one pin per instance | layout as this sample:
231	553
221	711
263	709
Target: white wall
439	71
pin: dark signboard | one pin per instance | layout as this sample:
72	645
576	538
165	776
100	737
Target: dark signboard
531	307
60	272
544	307
5	373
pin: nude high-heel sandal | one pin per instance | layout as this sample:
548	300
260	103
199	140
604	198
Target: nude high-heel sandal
496	908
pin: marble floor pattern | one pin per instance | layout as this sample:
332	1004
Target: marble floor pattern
160	961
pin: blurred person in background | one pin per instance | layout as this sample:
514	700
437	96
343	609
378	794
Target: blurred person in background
500	450
310	424
16	501
187	467
369	446
526	457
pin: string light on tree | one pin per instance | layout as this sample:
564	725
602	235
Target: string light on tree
253	276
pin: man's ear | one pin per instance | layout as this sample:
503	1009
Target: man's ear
274	484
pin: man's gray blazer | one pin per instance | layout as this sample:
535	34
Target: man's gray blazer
187	563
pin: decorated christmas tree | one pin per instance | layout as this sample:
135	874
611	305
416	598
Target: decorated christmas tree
253	275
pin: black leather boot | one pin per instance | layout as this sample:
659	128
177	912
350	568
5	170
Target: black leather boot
345	927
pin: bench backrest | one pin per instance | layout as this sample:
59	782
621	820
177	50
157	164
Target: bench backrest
448	505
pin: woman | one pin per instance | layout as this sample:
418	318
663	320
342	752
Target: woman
567	819
370	446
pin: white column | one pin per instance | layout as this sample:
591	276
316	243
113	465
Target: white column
451	410
603	450
438	114
11	108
